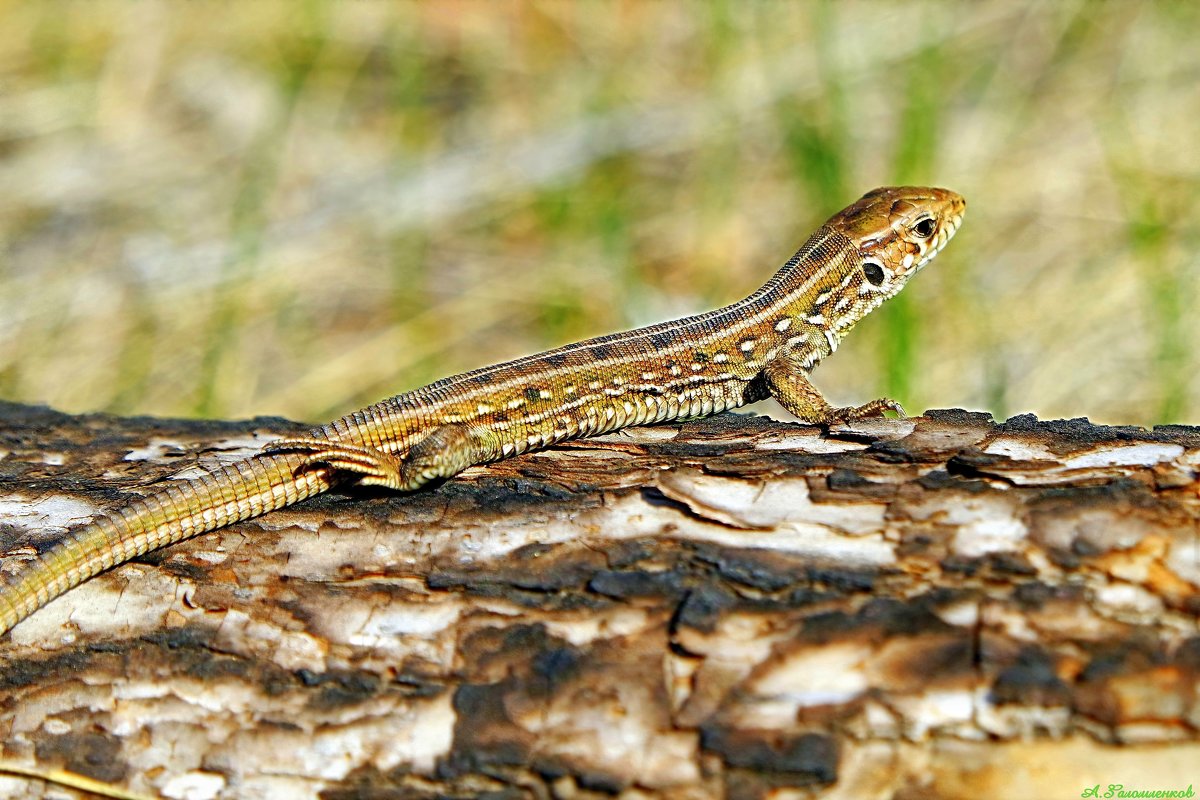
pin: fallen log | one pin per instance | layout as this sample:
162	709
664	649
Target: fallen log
735	607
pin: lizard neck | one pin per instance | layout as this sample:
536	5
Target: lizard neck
802	300
820	267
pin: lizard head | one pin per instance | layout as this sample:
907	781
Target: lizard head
881	241
896	231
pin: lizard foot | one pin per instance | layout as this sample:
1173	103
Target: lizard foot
875	408
374	467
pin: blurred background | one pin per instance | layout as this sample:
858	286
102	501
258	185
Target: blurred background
225	210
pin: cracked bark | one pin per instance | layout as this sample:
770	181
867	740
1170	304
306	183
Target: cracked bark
937	607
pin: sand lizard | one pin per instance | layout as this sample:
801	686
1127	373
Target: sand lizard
764	345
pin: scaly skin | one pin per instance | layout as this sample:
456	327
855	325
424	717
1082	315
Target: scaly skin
764	345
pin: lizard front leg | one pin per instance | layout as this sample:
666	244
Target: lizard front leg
789	384
445	452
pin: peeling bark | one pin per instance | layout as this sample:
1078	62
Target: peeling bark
733	607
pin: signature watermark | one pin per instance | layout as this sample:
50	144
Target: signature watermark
1121	790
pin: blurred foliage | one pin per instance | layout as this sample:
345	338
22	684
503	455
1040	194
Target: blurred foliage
300	208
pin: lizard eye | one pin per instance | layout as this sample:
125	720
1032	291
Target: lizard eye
925	228
873	272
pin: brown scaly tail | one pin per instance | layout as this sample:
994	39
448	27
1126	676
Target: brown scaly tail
184	508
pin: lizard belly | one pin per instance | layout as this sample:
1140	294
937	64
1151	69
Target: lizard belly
595	415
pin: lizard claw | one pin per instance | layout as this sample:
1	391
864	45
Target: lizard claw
374	467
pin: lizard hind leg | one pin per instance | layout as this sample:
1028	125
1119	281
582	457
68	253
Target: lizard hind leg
446	451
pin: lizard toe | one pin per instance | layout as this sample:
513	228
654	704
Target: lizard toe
297	446
374	467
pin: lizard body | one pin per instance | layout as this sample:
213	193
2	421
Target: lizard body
764	345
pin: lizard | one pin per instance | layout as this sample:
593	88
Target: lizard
764	345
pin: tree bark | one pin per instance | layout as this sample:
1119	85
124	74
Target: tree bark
731	607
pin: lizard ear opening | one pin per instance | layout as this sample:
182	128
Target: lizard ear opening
873	273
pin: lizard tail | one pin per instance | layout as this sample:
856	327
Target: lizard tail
184	508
